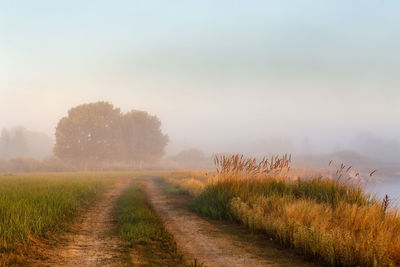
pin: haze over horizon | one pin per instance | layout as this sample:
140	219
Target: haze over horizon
220	76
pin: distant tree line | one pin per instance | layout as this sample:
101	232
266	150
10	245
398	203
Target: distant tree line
13	145
21	143
98	133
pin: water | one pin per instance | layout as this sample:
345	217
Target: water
392	189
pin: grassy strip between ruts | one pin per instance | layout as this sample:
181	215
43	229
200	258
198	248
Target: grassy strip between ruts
34	207
143	229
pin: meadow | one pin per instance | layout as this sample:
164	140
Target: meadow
33	207
330	220
327	219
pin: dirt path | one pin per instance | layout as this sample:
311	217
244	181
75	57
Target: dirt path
92	242
216	244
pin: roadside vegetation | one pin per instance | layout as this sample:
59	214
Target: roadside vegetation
33	207
191	183
330	220
142	228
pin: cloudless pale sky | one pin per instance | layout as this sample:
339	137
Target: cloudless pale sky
215	72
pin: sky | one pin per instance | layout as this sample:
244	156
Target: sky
219	74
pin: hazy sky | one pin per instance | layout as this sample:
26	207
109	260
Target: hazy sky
215	72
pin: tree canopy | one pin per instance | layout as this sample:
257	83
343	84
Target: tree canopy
99	132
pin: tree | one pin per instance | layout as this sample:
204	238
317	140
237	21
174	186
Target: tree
13	143
88	134
5	143
19	143
96	133
142	137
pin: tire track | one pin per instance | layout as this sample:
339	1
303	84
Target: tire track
92	242
200	239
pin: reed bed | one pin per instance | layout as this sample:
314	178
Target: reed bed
330	220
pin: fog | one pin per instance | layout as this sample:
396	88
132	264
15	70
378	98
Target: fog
256	77
22	143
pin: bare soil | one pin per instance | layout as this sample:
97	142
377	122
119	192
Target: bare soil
216	243
92	241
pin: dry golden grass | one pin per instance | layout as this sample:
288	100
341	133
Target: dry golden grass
330	220
346	235
189	182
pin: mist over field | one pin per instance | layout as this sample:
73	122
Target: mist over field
258	78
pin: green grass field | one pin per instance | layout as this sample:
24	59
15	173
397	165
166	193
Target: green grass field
35	206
